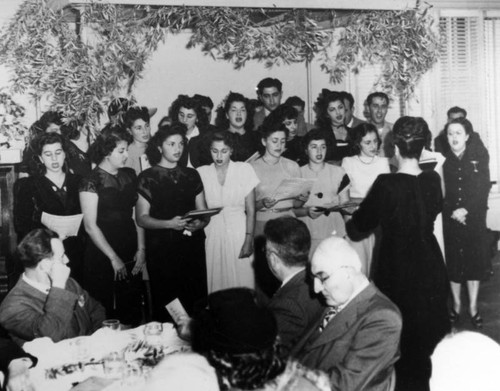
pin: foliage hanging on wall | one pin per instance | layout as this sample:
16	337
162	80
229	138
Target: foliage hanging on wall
79	75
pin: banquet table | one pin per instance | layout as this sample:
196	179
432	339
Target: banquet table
126	356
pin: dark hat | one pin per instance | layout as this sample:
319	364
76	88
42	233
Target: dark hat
233	322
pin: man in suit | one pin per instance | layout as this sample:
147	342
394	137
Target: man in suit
295	307
46	302
356	342
350	120
269	92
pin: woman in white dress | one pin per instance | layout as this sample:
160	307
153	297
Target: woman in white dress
363	169
229	235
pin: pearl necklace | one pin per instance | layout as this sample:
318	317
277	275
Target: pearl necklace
367	163
270	164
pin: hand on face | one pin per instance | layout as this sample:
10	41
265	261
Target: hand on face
59	274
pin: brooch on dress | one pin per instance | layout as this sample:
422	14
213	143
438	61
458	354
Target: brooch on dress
475	163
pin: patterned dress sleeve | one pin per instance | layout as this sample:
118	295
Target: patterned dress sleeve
89	184
144	186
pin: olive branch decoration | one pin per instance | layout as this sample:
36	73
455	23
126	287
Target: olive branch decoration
78	70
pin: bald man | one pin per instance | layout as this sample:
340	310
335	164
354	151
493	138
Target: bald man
356	341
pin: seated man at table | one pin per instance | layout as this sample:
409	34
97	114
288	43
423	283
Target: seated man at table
294	305
356	342
46	302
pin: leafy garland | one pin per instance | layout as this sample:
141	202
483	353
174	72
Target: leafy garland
48	57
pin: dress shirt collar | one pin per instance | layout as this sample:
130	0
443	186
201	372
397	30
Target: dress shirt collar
194	133
354	294
35	284
291	276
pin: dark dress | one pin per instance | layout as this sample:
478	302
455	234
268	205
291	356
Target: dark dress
78	161
295	151
410	268
176	262
467	184
117	197
37	194
336	150
244	146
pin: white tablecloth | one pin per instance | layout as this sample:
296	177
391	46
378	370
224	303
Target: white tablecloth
89	349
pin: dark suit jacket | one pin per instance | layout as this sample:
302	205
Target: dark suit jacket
296	308
26	313
356	121
258	118
359	347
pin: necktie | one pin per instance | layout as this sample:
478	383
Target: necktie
332	311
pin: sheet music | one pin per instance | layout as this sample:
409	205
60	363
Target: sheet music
293	187
64	226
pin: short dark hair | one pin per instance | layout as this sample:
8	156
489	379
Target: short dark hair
467	125
107	141
456	110
282	113
70	130
134	113
314	134
347	96
222	135
35	247
191	104
291	238
152	151
410	136
205	101
295	101
40	126
269	82
358	132
47	138
266	129
374	95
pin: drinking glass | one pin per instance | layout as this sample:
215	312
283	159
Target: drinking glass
153	333
114	365
112	324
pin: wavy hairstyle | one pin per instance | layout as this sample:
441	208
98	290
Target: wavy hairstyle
323	120
35	246
189	103
222	122
358	132
154	144
107	141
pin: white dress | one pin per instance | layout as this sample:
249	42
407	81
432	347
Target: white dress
362	176
225	234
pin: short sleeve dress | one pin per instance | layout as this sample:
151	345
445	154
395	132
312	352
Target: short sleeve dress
270	177
175	260
226	230
117	196
329	182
